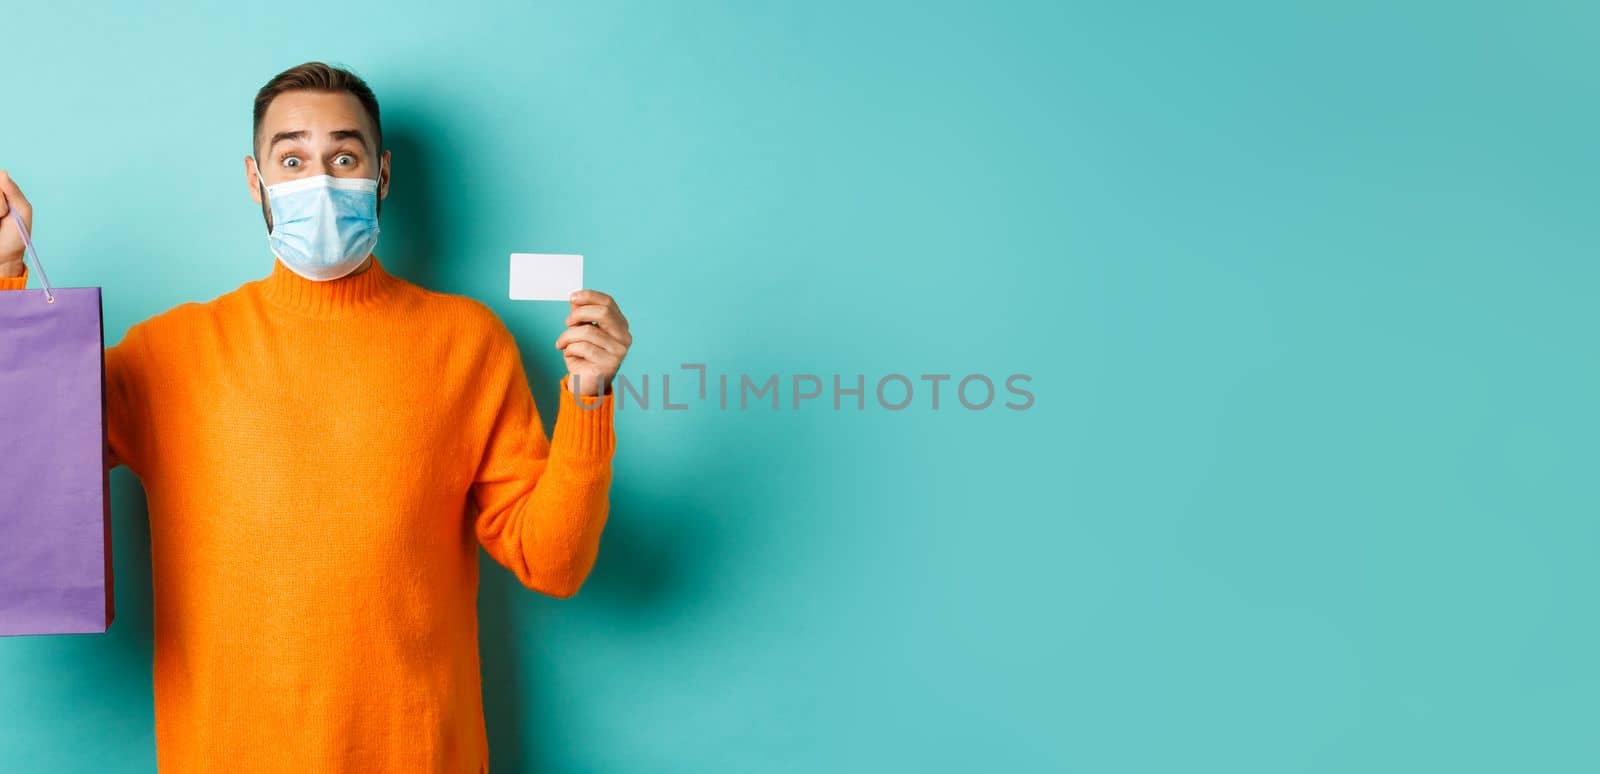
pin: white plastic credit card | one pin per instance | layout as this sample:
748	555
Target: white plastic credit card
545	276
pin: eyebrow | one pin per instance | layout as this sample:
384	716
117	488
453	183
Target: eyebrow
301	134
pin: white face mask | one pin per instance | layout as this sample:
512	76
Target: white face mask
323	227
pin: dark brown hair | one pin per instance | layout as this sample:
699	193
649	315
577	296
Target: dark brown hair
316	76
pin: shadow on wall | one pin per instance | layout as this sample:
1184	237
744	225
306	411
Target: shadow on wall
677	543
409	244
121	672
659	553
641	569
639	557
666	548
130	554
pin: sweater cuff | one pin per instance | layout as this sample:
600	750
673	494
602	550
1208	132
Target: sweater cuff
584	425
18	282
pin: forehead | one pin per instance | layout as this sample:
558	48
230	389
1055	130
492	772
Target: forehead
315	112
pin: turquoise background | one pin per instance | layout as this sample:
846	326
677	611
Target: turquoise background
1306	294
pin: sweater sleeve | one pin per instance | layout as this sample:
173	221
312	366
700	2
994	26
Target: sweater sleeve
15	283
125	364
542	502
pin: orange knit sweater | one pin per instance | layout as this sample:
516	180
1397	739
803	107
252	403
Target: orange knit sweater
321	461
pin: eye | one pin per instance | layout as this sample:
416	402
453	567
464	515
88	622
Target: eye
344	160
291	162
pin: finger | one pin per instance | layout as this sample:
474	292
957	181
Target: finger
608	317
589	353
591	334
11	198
582	297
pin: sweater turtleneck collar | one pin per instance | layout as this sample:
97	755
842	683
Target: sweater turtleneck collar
330	298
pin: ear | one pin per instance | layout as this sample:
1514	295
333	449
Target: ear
383	176
251	176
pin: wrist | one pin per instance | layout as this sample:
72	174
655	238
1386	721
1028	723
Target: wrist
587	386
11	268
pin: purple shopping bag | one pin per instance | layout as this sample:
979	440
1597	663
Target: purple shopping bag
55	517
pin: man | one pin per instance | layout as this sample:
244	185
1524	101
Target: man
323	449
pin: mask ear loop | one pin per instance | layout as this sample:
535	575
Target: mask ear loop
261	181
27	242
266	199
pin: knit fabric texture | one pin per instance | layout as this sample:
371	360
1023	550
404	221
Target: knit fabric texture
321	461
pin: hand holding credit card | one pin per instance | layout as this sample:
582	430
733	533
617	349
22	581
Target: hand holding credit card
596	337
